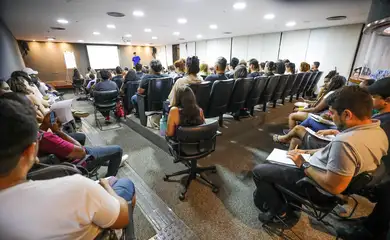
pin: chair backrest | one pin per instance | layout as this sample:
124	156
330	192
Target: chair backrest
239	94
316	79
158	92
296	84
77	83
254	94
219	97
270	89
358	182
197	140
42	171
202	93
310	81
131	88
105	97
305	80
289	85
280	87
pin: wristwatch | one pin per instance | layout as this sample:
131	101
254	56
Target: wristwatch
305	166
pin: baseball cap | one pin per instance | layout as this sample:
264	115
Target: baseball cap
29	71
380	87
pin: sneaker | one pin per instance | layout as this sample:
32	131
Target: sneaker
80	114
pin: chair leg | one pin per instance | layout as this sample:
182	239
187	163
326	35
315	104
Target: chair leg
167	176
265	106
97	120
220	120
252	111
291	98
283	100
274	106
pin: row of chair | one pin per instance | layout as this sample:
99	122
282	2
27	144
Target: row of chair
228	96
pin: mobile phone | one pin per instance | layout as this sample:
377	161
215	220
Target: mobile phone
52	118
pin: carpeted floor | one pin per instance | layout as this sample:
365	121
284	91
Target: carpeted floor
230	214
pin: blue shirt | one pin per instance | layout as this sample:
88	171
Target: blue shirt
136	59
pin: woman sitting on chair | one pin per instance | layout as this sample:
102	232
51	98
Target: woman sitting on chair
184	111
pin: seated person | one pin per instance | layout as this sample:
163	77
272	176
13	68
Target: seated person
315	66
139	73
320	106
262	68
91	82
192	69
130	77
280	67
366	83
290	68
241	72
68	149
179	69
118	79
72	207
358	148
220	66
204	70
270	68
154	72
232	67
106	85
327	79
184	111
30	85
254	68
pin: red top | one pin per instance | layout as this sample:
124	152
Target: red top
53	144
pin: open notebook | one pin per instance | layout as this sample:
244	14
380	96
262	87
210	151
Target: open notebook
279	156
325	138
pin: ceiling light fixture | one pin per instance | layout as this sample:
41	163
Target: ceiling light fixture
147	30
33	40
154	38
176	33
128	43
128	35
182	20
111	26
199	36
213	26
147	44
291	24
63	21
96	33
80	41
50	39
269	16
239	5
138	13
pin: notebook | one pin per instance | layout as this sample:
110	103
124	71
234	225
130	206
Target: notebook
326	138
279	156
321	119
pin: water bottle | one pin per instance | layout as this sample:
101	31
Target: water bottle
163	125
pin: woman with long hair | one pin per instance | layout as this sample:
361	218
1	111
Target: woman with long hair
184	111
304	67
335	83
131	76
270	68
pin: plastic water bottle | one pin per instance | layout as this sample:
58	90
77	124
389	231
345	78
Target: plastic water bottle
163	125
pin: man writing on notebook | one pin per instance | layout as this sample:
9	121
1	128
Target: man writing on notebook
358	148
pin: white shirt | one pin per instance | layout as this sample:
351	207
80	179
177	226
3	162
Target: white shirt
72	207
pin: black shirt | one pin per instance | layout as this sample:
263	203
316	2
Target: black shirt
145	80
214	77
118	79
254	74
106	85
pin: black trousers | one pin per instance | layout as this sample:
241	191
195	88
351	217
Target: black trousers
267	197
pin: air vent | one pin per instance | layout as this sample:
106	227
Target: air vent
182	39
57	28
336	18
115	14
227	33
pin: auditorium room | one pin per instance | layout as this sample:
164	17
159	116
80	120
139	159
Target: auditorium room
195	119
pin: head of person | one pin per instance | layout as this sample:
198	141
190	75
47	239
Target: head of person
19	141
134	53
92	76
290	67
4	87
304	67
88	69
254	65
186	101
138	67
366	83
380	92
243	62
220	65
16	84
286	61
270	66
126	69
22	76
262	66
179	66
336	82
171	68
76	73
280	67
192	65
155	66
234	63
350	106
315	65
118	70
241	72
105	74
131	76
204	68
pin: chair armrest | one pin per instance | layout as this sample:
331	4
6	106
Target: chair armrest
141	109
306	180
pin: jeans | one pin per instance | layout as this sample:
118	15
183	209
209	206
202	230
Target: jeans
314	125
267	197
134	102
102	154
79	137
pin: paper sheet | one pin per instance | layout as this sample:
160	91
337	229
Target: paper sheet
279	156
321	119
63	110
326	138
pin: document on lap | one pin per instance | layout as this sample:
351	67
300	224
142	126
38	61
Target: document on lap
279	156
63	110
326	138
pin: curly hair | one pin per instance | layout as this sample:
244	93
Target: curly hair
16	84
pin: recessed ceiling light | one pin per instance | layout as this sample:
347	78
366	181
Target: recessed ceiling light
80	41
147	44
147	30
33	40
128	43
199	36
291	24
213	26
96	33
50	39
62	21
176	33
239	5
128	35
138	13
269	16
182	20
154	38
112	26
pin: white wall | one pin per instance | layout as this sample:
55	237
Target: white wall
168	50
